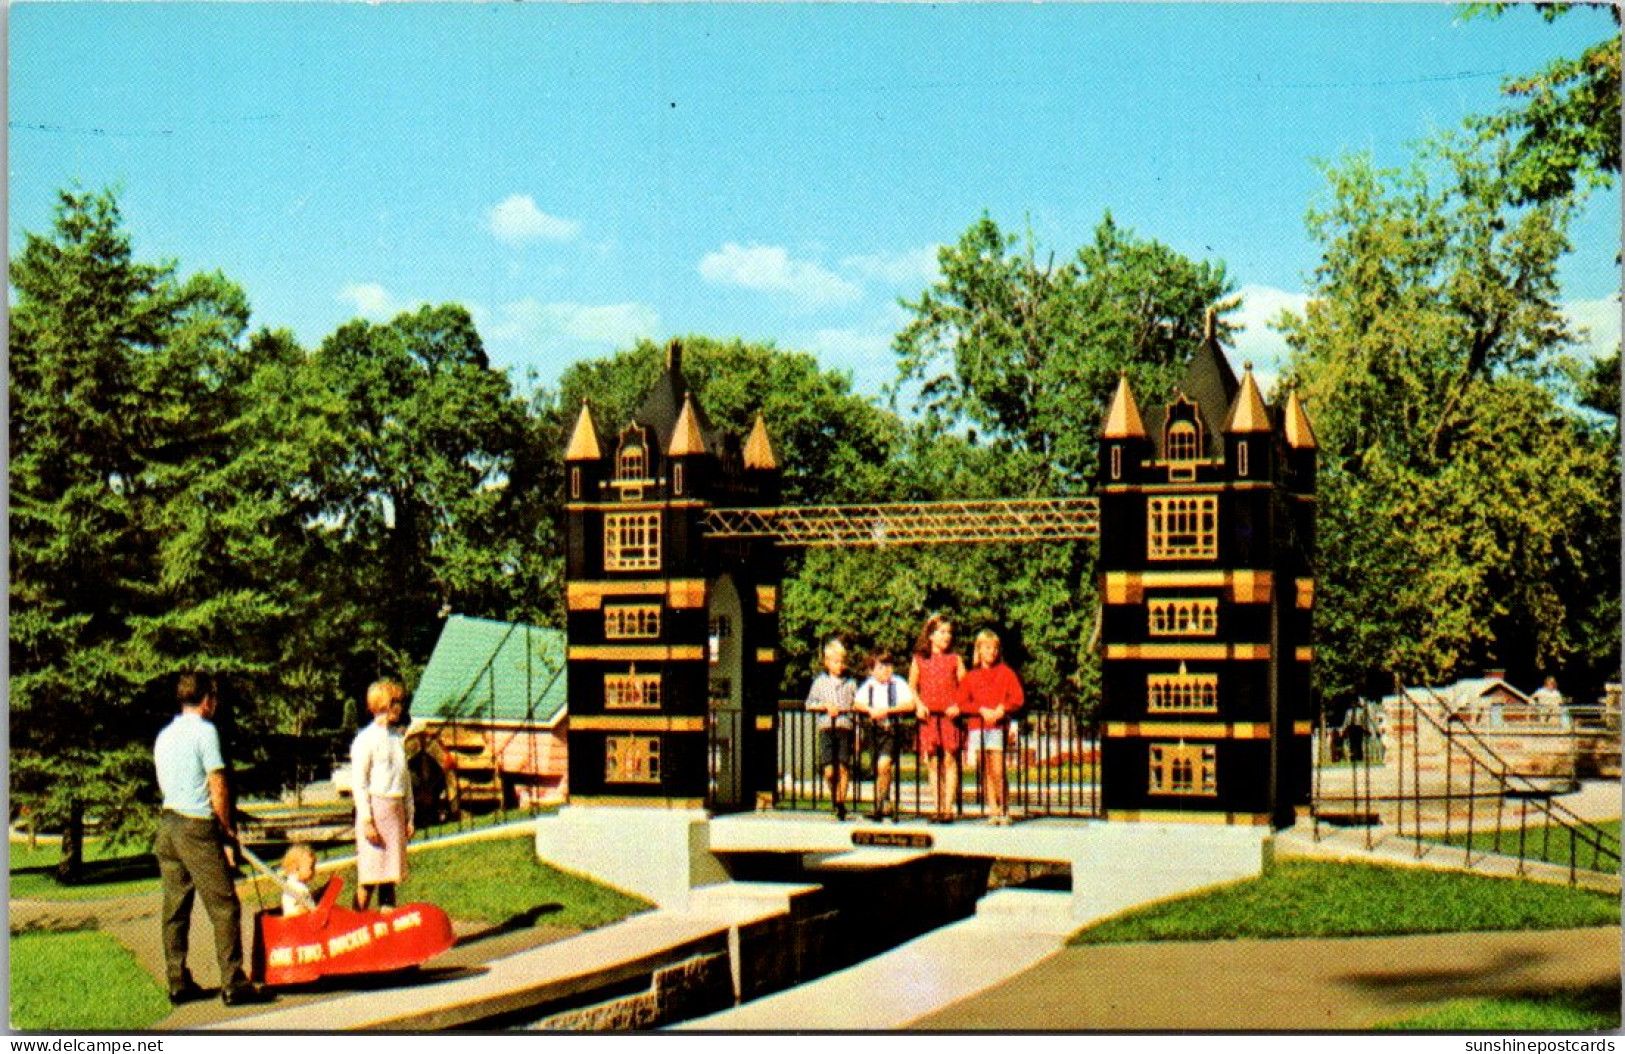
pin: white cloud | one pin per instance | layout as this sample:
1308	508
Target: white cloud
864	349
911	267
532	322
372	301
1256	342
517	219
1600	321
769	269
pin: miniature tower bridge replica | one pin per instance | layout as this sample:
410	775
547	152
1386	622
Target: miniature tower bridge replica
1205	523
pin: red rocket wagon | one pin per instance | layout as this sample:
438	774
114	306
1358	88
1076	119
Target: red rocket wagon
332	940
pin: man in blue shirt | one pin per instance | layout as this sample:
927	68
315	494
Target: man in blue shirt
197	845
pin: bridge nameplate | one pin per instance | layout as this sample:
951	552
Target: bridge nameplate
900	839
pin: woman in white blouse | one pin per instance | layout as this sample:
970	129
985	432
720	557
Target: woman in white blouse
383	797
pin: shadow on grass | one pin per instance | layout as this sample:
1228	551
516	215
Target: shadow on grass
512	924
99	872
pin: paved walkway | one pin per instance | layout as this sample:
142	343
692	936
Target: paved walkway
1285	985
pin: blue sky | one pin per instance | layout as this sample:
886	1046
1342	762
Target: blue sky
580	176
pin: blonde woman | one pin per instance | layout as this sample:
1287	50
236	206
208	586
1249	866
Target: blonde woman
383	797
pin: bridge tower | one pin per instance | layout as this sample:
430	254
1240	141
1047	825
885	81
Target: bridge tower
1206	557
669	631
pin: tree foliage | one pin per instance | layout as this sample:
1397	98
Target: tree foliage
1564	121
1466	512
1027	353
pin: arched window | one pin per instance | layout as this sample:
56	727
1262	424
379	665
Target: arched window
1183	442
632	462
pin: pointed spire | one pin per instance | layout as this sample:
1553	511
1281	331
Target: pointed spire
758	451
1299	436
584	440
1247	412
1123	418
685	436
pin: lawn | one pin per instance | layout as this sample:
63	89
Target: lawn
127	874
1547	843
1304	898
495	880
62	982
1581	1010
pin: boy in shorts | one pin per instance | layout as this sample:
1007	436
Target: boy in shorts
831	698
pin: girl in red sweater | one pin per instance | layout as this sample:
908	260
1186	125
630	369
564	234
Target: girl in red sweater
934	676
990	693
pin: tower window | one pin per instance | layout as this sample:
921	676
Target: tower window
575	483
632	541
677	478
1117	461
1241	458
631	691
1180	769
622	621
1182	693
632	759
1182	441
1184	528
1184	616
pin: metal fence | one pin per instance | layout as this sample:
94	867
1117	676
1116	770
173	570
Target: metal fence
1052	764
1442	781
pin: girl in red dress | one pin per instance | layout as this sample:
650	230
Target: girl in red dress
934	676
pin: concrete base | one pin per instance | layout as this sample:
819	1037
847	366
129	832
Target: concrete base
1124	865
658	854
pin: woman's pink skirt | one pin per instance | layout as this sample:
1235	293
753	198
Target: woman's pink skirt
387	862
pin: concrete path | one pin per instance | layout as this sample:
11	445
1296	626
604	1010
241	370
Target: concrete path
1284	985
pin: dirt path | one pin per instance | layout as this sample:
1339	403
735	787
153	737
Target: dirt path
1281	985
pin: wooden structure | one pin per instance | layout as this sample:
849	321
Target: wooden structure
1206	549
489	718
671	632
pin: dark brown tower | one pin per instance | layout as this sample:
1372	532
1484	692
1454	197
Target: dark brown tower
672	638
1206	545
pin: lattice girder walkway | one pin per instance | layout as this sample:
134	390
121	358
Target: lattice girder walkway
913	523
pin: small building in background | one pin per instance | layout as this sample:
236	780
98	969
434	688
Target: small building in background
489	719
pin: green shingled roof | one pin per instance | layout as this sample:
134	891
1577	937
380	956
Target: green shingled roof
493	671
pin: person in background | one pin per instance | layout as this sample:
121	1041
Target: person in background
382	789
885	698
933	676
989	694
831	698
1547	694
196	846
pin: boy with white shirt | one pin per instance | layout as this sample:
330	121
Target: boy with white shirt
884	698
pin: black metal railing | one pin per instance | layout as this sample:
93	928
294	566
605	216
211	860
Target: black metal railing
1051	768
1444	783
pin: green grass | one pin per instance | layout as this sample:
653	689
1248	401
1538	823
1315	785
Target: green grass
497	881
1303	898
107	873
1575	1010
62	981
1543	843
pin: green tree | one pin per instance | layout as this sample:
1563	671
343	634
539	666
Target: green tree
147	516
1027	353
1564	122
437	502
1014	361
1466	511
